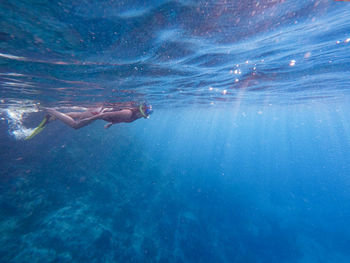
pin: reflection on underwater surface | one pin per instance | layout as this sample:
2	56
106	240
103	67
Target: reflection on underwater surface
175	53
246	158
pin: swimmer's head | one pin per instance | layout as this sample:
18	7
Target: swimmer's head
145	110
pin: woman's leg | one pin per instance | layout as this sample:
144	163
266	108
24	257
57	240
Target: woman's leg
79	115
88	113
68	118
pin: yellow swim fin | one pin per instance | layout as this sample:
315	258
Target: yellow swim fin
39	128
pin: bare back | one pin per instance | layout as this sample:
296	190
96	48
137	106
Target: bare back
118	116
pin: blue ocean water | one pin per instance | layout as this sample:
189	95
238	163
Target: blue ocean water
246	157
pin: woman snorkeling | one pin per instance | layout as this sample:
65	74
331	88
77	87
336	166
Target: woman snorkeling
79	119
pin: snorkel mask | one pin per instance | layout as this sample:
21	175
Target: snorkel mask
147	112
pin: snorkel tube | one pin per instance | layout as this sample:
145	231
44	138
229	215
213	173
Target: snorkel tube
142	112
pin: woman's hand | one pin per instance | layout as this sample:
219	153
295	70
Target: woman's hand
108	125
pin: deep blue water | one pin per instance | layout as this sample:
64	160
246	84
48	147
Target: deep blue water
245	159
